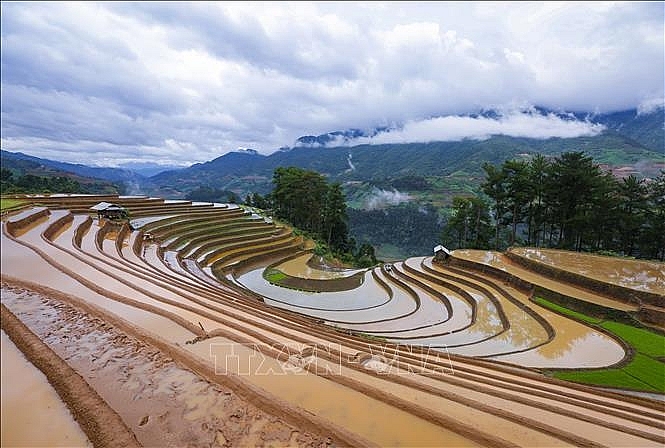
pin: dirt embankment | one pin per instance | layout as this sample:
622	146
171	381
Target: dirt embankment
162	402
616	292
18	223
100	423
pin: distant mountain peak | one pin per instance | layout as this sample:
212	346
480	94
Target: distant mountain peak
335	138
248	151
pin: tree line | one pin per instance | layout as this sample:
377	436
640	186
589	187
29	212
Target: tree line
306	200
29	183
567	202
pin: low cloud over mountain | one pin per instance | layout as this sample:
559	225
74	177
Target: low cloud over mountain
178	83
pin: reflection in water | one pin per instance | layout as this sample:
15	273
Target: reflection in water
588	349
298	267
369	294
636	274
499	261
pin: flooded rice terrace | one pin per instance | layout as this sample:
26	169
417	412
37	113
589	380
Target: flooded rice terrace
29	403
300	267
429	314
501	262
636	274
196	354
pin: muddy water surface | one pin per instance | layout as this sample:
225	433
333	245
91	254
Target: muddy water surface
635	274
22	263
32	413
497	260
298	267
574	344
370	418
369	294
162	403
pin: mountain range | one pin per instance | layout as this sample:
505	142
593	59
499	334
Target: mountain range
406	182
631	141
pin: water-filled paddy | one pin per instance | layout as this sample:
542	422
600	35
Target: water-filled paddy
32	412
499	261
636	274
298	267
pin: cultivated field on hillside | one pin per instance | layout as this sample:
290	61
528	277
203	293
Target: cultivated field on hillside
207	324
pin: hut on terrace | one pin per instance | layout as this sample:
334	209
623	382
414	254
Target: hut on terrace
108	210
441	253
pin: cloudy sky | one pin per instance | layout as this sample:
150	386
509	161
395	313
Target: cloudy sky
179	83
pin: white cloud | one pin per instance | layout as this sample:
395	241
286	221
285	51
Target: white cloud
384	198
650	105
455	128
217	76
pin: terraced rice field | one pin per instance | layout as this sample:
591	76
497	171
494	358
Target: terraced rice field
176	328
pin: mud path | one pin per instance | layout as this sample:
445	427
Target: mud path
29	402
162	403
100	423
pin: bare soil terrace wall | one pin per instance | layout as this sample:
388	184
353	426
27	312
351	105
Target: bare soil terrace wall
317	285
431	291
617	292
100	423
588	308
264	259
13	226
263	245
53	229
81	230
518	283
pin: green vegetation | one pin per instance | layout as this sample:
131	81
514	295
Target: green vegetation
608	377
644	372
274	276
411	228
30	183
371	337
431	173
644	341
390	252
10	204
568	312
207	194
469	225
567	202
306	201
41	176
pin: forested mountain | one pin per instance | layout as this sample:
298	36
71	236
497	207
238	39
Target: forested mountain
402	180
10	160
32	175
631	141
648	129
249	172
567	202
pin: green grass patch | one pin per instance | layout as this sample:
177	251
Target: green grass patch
8	204
274	275
608	377
644	341
648	371
644	372
371	337
565	311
